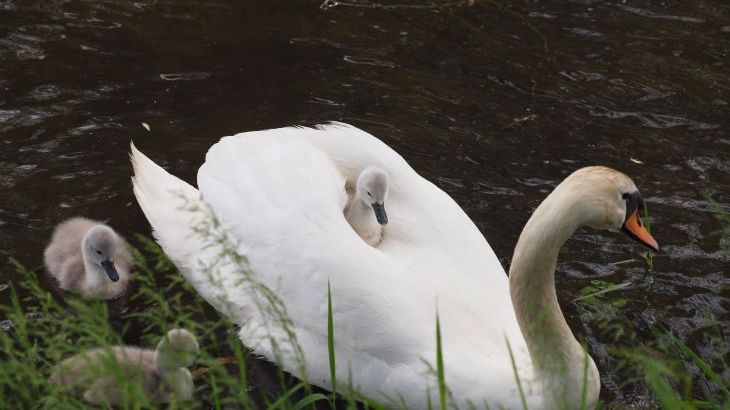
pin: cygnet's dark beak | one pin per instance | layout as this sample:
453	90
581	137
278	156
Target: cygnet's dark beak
380	213
111	271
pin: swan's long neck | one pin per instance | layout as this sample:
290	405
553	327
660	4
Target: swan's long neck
558	358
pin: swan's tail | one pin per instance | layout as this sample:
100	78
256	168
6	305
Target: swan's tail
157	192
184	227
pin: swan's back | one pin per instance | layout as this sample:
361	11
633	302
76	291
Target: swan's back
429	232
291	228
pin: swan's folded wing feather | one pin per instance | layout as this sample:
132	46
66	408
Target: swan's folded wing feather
180	221
426	224
428	232
456	270
293	233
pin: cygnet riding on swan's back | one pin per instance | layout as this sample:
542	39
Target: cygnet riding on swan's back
88	257
365	210
98	375
290	227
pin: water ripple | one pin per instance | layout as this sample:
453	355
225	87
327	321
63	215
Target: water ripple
703	164
191	76
659	121
45	92
368	61
687	203
650	14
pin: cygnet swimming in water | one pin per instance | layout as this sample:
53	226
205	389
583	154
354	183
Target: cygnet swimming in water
88	257
98	376
365	210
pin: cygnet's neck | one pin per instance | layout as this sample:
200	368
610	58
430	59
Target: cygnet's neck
558	358
94	274
362	219
179	380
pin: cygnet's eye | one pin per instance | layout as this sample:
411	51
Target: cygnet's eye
98	252
369	194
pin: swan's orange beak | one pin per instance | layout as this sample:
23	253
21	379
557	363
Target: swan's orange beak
636	230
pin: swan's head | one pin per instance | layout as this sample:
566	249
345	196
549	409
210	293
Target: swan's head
178	348
100	244
604	198
372	188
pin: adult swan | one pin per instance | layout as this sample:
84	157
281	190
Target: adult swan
276	198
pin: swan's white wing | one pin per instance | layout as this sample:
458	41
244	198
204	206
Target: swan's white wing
279	196
282	198
369	336
182	224
281	193
460	274
430	233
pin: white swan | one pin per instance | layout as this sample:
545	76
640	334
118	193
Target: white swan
279	195
88	257
365	209
97	375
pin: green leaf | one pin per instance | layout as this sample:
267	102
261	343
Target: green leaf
611	288
309	400
331	341
440	364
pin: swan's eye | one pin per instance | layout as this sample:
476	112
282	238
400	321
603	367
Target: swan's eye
98	252
634	203
370	195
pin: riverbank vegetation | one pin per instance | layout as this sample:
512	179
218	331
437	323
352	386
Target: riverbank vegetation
41	327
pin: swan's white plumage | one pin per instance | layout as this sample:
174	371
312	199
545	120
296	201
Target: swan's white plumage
280	194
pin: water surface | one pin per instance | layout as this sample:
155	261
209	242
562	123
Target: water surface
496	104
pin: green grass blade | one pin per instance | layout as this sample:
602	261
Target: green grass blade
623	262
702	365
284	399
309	400
649	255
584	393
662	390
331	341
517	376
608	289
440	365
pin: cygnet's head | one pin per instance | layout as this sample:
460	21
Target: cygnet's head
100	244
177	349
607	199
372	188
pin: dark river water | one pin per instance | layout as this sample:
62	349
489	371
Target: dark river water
494	103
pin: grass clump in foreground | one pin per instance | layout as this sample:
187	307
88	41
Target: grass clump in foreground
658	363
41	328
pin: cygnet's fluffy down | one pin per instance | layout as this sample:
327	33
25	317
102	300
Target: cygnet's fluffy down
101	376
365	210
88	257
